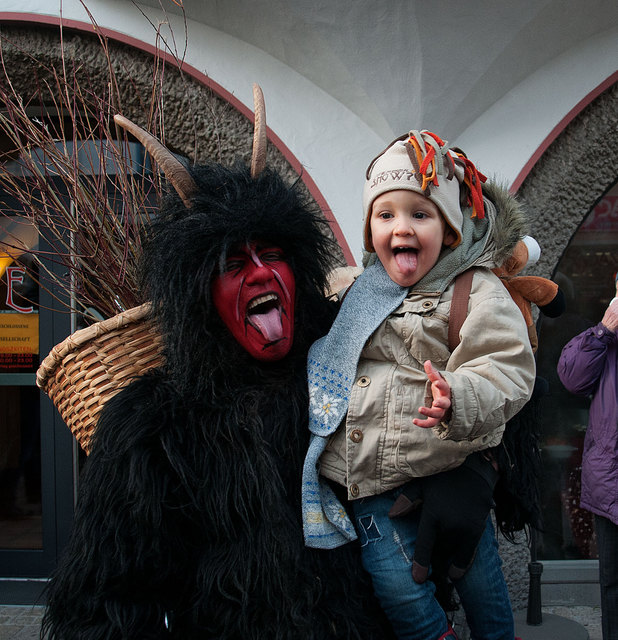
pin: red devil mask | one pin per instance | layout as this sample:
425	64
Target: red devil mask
254	297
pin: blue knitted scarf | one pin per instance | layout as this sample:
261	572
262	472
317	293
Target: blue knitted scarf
331	368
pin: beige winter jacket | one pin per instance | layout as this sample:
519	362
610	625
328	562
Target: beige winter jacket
491	374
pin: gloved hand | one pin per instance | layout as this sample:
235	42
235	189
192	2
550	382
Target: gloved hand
454	512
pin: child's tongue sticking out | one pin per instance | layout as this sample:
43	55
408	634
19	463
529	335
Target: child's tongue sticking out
406	261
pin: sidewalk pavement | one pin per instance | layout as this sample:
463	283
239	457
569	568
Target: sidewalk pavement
23	622
20	622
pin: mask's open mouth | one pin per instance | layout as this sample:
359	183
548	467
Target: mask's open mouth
264	315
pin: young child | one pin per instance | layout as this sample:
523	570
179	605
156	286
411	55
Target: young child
389	400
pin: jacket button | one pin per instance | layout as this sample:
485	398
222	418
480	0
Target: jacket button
363	381
354	490
356	435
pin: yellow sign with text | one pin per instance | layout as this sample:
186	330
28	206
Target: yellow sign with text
19	333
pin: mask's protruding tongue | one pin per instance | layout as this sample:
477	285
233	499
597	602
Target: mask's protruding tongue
406	261
269	324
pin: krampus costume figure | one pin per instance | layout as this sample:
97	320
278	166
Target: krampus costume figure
188	522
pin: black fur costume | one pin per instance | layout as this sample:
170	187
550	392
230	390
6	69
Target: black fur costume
189	505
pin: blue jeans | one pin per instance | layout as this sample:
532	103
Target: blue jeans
387	548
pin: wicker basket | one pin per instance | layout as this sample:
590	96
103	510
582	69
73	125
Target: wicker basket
90	366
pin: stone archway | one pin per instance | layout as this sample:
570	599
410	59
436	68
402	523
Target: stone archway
195	121
571	176
193	115
575	171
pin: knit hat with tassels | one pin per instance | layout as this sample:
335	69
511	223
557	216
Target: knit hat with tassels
420	161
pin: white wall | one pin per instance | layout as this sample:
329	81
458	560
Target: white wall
506	136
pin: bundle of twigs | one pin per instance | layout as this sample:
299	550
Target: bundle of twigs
68	173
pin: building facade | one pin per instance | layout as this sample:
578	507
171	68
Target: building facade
531	96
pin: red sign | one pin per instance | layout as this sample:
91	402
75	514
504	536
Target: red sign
604	217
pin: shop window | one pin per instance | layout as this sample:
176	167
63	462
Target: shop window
20	448
586	275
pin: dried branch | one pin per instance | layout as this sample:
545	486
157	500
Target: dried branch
73	176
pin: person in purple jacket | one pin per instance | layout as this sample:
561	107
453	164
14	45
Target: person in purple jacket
588	366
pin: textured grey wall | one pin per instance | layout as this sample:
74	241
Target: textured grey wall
196	122
574	172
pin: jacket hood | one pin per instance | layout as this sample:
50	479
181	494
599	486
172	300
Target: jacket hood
510	223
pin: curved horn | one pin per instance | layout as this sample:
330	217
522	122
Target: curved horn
173	169
258	157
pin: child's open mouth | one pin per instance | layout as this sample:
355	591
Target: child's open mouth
406	259
264	315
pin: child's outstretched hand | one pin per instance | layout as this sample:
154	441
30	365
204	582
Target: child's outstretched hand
441	405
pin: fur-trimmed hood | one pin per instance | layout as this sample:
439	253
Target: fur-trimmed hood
510	223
